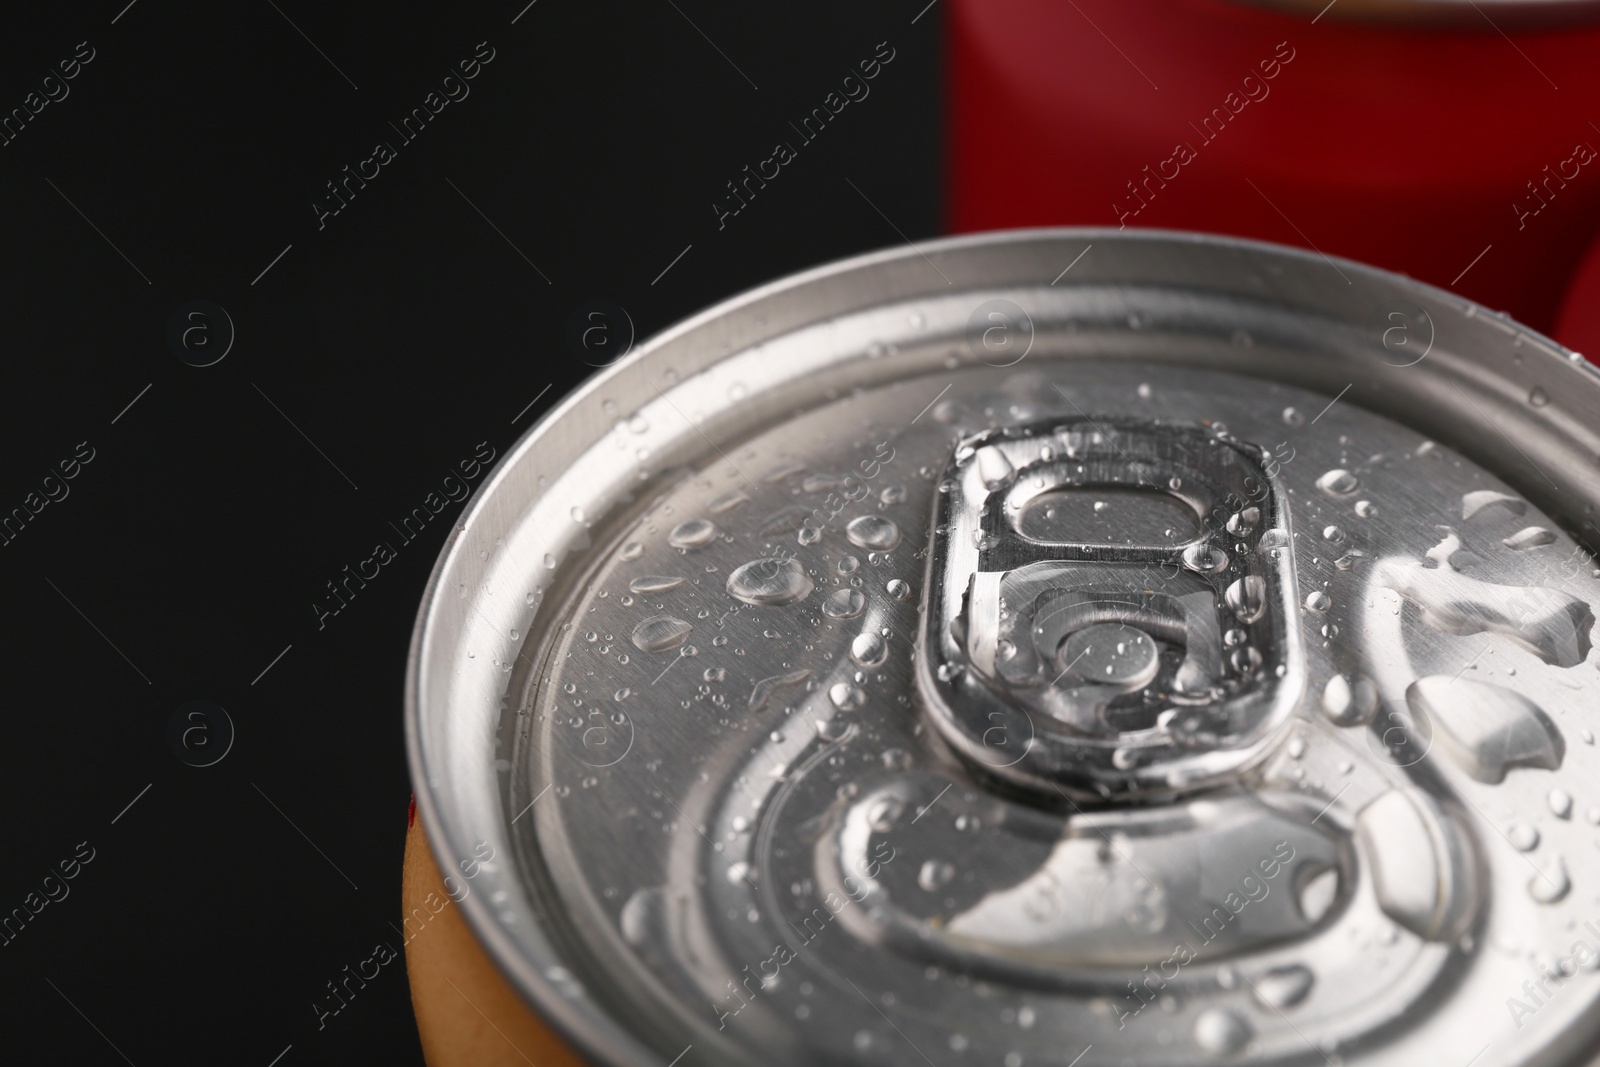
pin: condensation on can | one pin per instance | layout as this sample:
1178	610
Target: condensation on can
934	658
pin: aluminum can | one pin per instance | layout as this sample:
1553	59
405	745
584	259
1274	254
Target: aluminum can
1071	647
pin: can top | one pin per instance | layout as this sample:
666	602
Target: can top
943	655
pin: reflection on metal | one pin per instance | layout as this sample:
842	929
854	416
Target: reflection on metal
934	740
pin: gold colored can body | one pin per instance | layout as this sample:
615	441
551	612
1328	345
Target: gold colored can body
467	1015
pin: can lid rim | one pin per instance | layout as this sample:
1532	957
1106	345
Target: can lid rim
583	1022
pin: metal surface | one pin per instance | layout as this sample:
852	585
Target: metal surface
1065	651
728	655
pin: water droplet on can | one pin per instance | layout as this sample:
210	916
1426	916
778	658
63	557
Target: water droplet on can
935	874
1347	704
726	502
1560	803
654	583
1243	523
1486	728
660	633
1205	558
844	603
874	532
994	469
692	533
1247	598
770	582
1245	660
1529	537
868	650
1283	987
847	697
1551	883
1220	1032
1338	482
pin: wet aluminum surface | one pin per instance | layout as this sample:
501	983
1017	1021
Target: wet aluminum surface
689	687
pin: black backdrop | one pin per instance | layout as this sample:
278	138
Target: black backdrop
172	550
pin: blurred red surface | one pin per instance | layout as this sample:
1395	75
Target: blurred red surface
1465	158
1578	326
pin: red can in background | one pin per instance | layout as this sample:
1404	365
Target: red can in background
1455	142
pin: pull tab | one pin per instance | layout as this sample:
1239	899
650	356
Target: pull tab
1112	607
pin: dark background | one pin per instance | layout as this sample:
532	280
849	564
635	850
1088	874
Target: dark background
370	358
